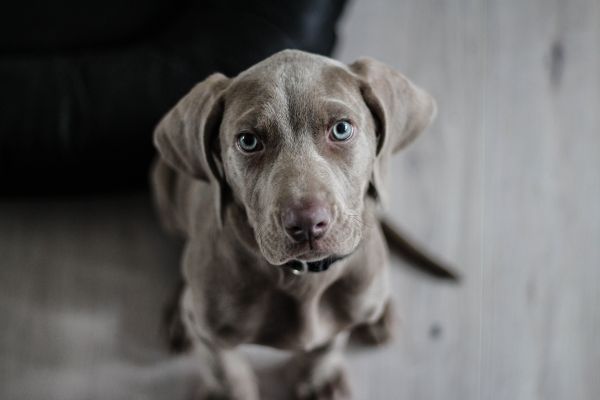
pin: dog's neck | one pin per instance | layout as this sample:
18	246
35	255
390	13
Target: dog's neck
298	267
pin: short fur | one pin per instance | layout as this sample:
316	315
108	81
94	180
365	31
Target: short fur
226	205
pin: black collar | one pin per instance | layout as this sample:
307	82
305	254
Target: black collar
300	267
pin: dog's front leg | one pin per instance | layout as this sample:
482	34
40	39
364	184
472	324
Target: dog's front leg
224	374
320	373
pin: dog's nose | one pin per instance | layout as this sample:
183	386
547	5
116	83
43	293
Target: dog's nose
306	222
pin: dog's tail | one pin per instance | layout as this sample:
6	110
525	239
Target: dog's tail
416	257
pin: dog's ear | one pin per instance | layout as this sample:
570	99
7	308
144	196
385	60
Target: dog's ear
401	111
187	136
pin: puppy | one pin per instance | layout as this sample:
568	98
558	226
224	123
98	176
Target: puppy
273	179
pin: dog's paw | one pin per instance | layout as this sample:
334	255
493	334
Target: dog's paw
332	387
377	333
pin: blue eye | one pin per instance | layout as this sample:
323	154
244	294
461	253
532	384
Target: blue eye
249	142
342	130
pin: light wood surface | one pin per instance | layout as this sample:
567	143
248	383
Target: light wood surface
505	185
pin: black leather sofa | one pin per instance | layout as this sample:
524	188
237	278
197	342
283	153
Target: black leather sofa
82	84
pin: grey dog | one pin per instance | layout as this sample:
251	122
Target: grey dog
274	178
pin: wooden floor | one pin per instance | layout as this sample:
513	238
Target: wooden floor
506	185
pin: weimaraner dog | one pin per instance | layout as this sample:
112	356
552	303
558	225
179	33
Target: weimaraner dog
274	178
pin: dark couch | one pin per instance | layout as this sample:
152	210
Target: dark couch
82	84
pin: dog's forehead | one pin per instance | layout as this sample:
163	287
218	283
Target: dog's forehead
291	67
289	80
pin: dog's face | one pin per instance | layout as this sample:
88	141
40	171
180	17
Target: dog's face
298	140
298	145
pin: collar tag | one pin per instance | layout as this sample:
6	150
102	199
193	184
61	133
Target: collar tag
298	267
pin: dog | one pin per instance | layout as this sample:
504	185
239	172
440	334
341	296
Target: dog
274	179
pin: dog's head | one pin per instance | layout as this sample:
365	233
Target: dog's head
298	141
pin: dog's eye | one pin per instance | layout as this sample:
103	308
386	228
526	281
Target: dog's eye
248	142
342	130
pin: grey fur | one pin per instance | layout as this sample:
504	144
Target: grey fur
226	205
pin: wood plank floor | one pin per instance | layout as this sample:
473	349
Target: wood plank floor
506	185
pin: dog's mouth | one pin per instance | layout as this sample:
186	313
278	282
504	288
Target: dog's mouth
276	247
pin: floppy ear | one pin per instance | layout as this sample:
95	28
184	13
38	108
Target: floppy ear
401	111
187	137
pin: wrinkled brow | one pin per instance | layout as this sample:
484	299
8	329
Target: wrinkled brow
257	119
338	109
265	118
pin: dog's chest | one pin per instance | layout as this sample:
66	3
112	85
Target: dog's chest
303	319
